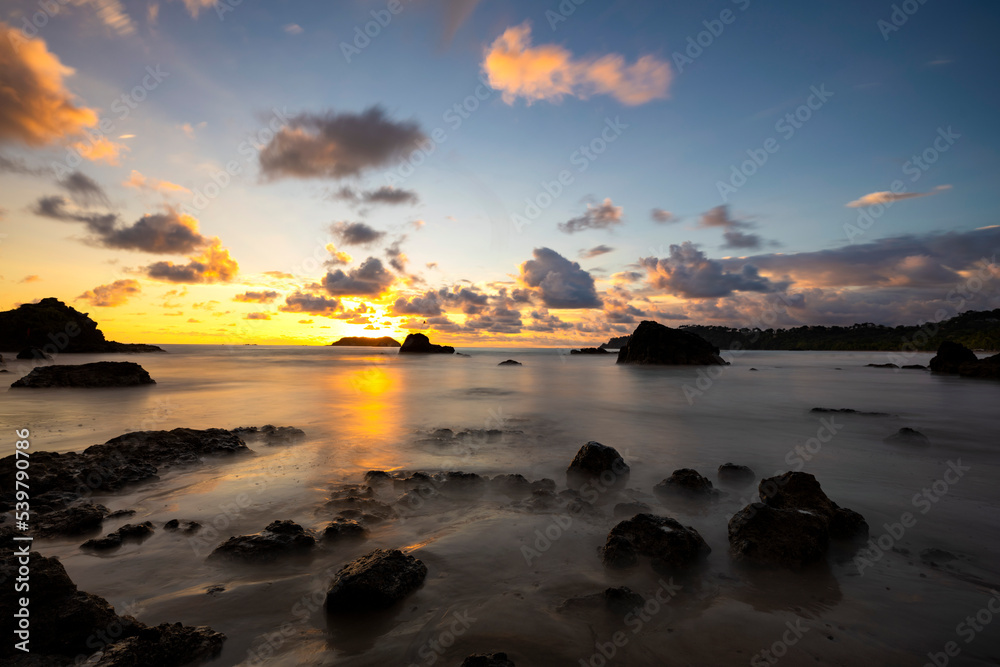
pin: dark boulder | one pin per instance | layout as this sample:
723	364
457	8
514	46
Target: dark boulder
33	353
618	600
418	343
907	436
881	366
595	460
590	350
279	538
951	357
851	411
488	660
736	475
914	367
800	490
366	341
165	645
764	535
686	483
653	343
130	532
509	362
97	374
513	486
75	520
189	526
375	581
669	545
270	434
344	529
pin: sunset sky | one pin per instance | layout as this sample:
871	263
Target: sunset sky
496	173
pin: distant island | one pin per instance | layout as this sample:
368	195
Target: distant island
976	330
51	326
364	341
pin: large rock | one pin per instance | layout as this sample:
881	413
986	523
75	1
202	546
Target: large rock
52	326
97	374
653	343
75	520
365	341
686	483
951	357
769	536
595	460
800	490
166	645
418	343
130	532
669	545
488	660
279	538
736	475
375	581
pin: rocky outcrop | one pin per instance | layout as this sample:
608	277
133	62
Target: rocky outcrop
509	362
344	529
66	623
907	436
850	411
669	545
53	327
270	434
488	660
793	525
418	343
653	343
686	483
279	538
590	350
736	475
377	580
97	374
130	532
75	520
955	358
33	353
365	341
595	460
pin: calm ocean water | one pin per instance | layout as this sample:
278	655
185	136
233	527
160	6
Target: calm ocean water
368	409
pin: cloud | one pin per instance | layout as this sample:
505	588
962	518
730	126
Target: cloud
111	13
719	217
383	195
456	12
884	198
258	316
550	72
663	217
559	282
369	279
311	304
29	279
194	7
293	29
35	106
83	189
337	257
469	299
596	251
257	297
397	258
337	146
54	206
138	181
600	216
100	149
425	305
738	239
355	233
214	265
115	294
687	272
14	165
170	232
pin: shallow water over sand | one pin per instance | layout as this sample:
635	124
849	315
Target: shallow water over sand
370	409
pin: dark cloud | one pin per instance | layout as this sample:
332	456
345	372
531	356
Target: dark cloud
83	189
687	272
54	206
383	195
13	165
595	251
257	297
469	299
622	312
498	319
425	305
738	239
258	316
214	265
559	282
599	216
337	146
369	279
397	258
355	233
311	304
115	294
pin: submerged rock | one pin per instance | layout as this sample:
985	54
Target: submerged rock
881	366
270	434
488	660
279	538
75	520
907	436
189	526
851	411
375	581
165	645
509	362
669	545
765	535
33	353
418	343
619	600
687	483
590	350
597	460
134	532
653	343
736	475
344	529
97	374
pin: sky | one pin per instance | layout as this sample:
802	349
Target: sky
544	173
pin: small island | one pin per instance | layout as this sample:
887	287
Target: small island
365	341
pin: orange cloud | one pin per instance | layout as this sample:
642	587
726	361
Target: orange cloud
887	197
101	149
214	265
140	182
115	294
550	71
35	107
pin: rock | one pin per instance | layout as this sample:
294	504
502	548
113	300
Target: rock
513	486
166	645
135	532
344	529
653	343
850	411
117	514
951	357
488	660
736	475
881	366
596	460
365	341
509	362
53	326
375	581
753	369
769	536
461	485
76	520
669	545
915	367
270	434
189	526
907	436
801	491
619	600
934	556
33	353
590	350
418	343
97	374
377	477
624	510
686	483
279	538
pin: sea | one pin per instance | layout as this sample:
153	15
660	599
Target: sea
924	590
